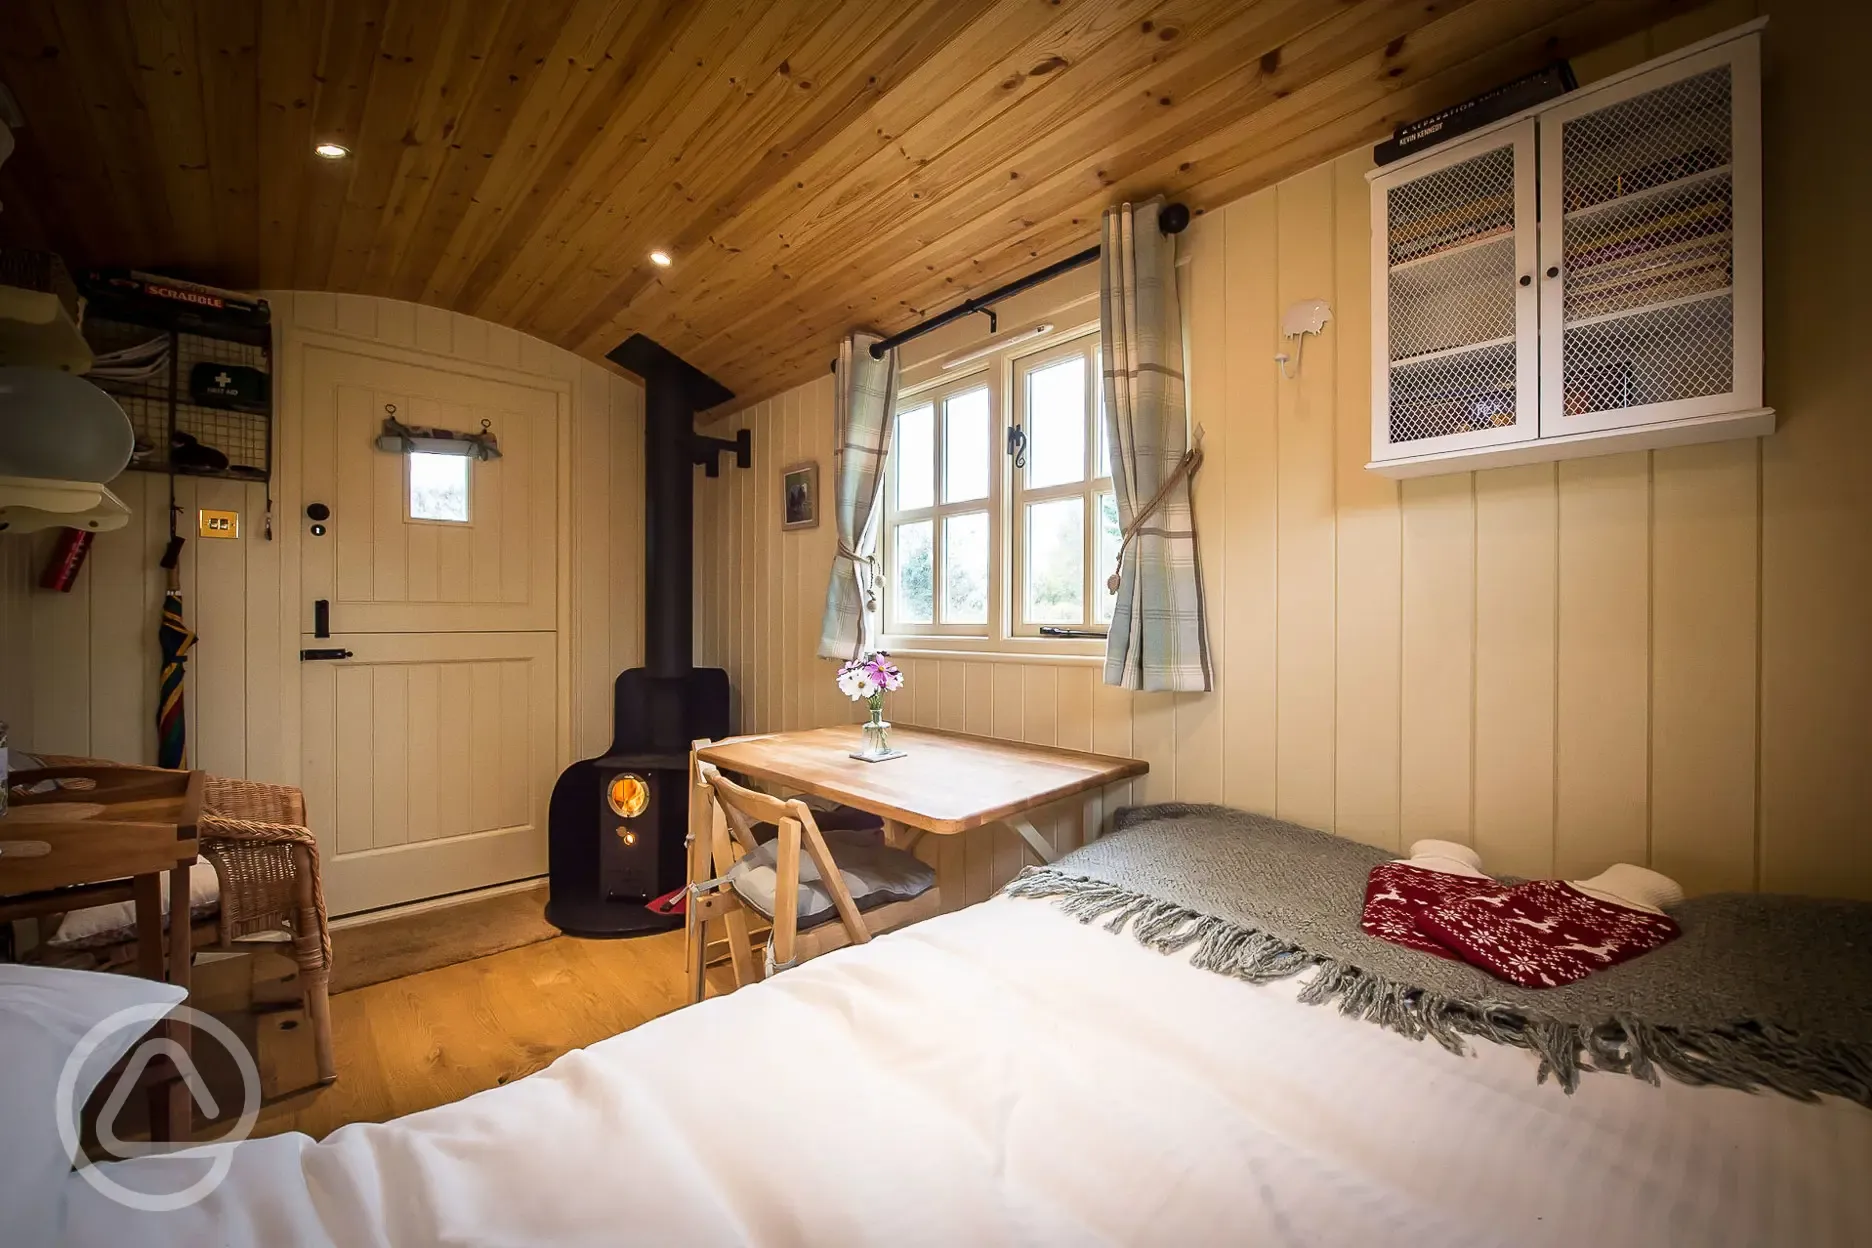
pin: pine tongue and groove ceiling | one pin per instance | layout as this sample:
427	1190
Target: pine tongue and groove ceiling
810	164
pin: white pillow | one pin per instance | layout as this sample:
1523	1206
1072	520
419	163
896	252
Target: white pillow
44	1013
108	924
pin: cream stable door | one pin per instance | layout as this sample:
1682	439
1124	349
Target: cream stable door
429	731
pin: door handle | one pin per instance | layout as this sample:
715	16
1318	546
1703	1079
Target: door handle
321	618
306	656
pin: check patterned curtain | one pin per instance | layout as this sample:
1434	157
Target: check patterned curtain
866	397
1158	640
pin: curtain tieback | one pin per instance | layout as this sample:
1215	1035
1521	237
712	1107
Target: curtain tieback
872	581
1190	462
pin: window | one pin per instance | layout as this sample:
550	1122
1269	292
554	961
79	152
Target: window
1065	515
982	554
438	486
941	487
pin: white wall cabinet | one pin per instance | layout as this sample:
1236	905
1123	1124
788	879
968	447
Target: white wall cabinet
1580	279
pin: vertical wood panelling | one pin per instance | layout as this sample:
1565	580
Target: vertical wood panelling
1703	595
1251	248
1601	808
1367	593
1516	575
1816	561
1304	525
1437	694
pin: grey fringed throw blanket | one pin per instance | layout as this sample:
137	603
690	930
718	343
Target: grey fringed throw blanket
1758	991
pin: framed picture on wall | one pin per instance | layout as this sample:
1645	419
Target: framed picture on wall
799	496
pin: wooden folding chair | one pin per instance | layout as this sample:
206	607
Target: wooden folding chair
722	815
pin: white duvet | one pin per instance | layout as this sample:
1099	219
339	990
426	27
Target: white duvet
1005	1075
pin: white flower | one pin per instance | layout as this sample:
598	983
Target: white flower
856	683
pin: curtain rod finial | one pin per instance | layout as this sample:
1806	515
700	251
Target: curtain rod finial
1174	218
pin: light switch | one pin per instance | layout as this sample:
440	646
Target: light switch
220	523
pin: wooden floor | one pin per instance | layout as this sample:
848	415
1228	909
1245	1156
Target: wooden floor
429	1039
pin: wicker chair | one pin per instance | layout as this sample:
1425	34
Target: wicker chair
266	861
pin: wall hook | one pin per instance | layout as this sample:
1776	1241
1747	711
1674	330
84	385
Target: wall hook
1309	316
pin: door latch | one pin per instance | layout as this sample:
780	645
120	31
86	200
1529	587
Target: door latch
333	653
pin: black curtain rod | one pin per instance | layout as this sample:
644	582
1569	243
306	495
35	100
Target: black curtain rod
1174	219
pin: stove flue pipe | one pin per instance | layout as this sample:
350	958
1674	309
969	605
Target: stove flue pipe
674	390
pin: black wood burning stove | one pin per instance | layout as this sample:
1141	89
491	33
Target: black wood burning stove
617	823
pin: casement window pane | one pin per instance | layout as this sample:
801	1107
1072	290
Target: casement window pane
1108	537
965	568
1098	433
1056	423
438	486
914	575
915	453
965	446
1056	561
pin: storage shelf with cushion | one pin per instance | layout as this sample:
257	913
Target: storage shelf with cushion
265	881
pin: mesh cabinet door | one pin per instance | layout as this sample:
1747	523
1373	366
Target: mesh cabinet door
1455	345
1650	238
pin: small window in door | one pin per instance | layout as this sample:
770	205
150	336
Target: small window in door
438	487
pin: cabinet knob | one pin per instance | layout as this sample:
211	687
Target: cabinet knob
1526	280
1553	271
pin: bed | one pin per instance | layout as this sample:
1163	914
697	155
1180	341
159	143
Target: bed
1007	1074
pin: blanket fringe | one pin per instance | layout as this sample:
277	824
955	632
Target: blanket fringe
1744	1057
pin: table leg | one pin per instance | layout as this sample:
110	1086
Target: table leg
146	893
165	1124
1035	841
181	1105
900	835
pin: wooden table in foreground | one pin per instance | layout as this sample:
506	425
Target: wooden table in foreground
70	848
946	782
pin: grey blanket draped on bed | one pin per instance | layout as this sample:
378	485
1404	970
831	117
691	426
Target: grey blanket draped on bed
1758	991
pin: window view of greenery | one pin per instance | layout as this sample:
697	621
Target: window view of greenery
438	486
955	523
965	568
916	599
1056	562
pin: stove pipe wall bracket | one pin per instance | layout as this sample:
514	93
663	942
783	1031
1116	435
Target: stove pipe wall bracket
674	391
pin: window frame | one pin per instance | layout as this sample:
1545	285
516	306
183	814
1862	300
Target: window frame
935	394
1004	635
1087	488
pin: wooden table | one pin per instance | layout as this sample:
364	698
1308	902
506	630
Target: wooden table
946	782
70	848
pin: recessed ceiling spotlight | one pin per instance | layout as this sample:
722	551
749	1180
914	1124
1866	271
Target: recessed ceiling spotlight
660	259
332	151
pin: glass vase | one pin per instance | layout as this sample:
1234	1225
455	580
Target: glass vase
877	746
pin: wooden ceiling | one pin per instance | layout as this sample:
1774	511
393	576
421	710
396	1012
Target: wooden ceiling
810	164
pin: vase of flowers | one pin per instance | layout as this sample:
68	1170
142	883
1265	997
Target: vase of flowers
867	680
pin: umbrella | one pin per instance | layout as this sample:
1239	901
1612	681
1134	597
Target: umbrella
175	640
